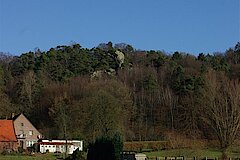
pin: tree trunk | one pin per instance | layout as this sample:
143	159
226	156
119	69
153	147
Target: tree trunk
224	154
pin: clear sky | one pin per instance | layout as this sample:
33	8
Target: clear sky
191	26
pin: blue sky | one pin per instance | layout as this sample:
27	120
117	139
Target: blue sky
191	26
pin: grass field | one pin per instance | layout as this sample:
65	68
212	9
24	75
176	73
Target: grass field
32	157
190	153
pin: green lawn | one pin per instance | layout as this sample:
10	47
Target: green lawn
165	153
32	157
190	153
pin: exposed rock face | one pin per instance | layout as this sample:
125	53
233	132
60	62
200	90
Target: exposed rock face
120	57
97	74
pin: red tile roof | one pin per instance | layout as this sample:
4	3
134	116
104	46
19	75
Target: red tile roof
7	132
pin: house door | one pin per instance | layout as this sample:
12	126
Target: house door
21	144
58	149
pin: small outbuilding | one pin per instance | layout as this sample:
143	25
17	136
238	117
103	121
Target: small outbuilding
60	146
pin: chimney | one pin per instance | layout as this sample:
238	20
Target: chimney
13	115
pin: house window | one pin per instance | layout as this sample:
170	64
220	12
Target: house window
21	134
31	132
22	124
29	143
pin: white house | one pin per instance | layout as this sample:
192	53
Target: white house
60	146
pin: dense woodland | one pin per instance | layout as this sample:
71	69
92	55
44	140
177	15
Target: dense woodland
76	92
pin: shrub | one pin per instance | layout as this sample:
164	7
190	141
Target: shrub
20	150
133	146
106	148
77	155
118	145
158	145
150	145
177	141
102	149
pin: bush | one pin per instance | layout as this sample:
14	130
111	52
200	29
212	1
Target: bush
177	141
118	145
143	145
8	152
106	148
20	150
133	146
102	149
158	145
4	152
77	155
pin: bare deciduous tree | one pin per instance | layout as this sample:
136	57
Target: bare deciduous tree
170	100
222	108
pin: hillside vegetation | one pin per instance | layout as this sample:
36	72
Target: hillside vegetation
144	95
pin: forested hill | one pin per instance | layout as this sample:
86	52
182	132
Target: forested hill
115	88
